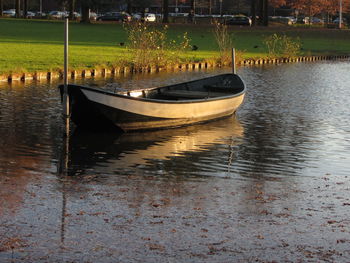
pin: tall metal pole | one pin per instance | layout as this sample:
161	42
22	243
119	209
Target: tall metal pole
340	14
65	79
233	61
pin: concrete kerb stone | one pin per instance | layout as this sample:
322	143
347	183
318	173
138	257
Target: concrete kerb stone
86	73
127	70
98	72
108	71
152	69
28	76
14	77
40	76
4	78
78	73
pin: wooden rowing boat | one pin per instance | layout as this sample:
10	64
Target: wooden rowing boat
155	108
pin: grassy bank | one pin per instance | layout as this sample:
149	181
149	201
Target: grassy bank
31	45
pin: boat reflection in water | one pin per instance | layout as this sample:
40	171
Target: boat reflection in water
110	153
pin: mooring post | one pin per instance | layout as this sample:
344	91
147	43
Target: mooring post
65	79
64	159
233	61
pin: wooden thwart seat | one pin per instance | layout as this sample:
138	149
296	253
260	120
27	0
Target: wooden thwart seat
188	94
218	88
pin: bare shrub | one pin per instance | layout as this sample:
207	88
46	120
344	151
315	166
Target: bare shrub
282	46
149	46
224	41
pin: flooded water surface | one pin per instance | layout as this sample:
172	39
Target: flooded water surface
270	184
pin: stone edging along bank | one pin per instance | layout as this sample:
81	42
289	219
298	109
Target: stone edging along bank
104	72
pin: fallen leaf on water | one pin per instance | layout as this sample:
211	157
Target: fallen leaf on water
342	241
97	214
265	212
156	247
11	244
157	222
331	221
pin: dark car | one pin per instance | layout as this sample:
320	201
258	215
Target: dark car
115	16
239	21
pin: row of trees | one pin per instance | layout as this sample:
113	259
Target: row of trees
257	9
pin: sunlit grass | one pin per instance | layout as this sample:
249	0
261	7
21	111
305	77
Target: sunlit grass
34	45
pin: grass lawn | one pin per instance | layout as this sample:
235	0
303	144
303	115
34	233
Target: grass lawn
34	45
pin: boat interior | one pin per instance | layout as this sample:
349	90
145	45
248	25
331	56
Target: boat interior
213	87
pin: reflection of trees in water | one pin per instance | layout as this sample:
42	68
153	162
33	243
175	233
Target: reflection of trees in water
26	121
272	147
174	152
277	138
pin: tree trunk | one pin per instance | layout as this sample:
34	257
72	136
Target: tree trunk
25	8
260	11
71	9
266	13
192	12
18	8
165	11
1	7
253	12
129	6
85	13
193	6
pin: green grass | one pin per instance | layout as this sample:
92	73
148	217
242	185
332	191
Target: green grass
34	45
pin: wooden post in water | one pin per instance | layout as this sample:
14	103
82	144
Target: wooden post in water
233	61
65	79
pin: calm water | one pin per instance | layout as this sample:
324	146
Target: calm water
270	183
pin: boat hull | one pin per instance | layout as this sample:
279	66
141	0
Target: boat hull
96	109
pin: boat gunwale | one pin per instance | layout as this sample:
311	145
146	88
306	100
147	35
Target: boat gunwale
123	96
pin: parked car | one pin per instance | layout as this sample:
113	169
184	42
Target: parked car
56	14
30	14
301	20
336	21
93	16
178	14
136	16
239	20
316	20
292	19
115	16
9	13
76	15
39	14
149	17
